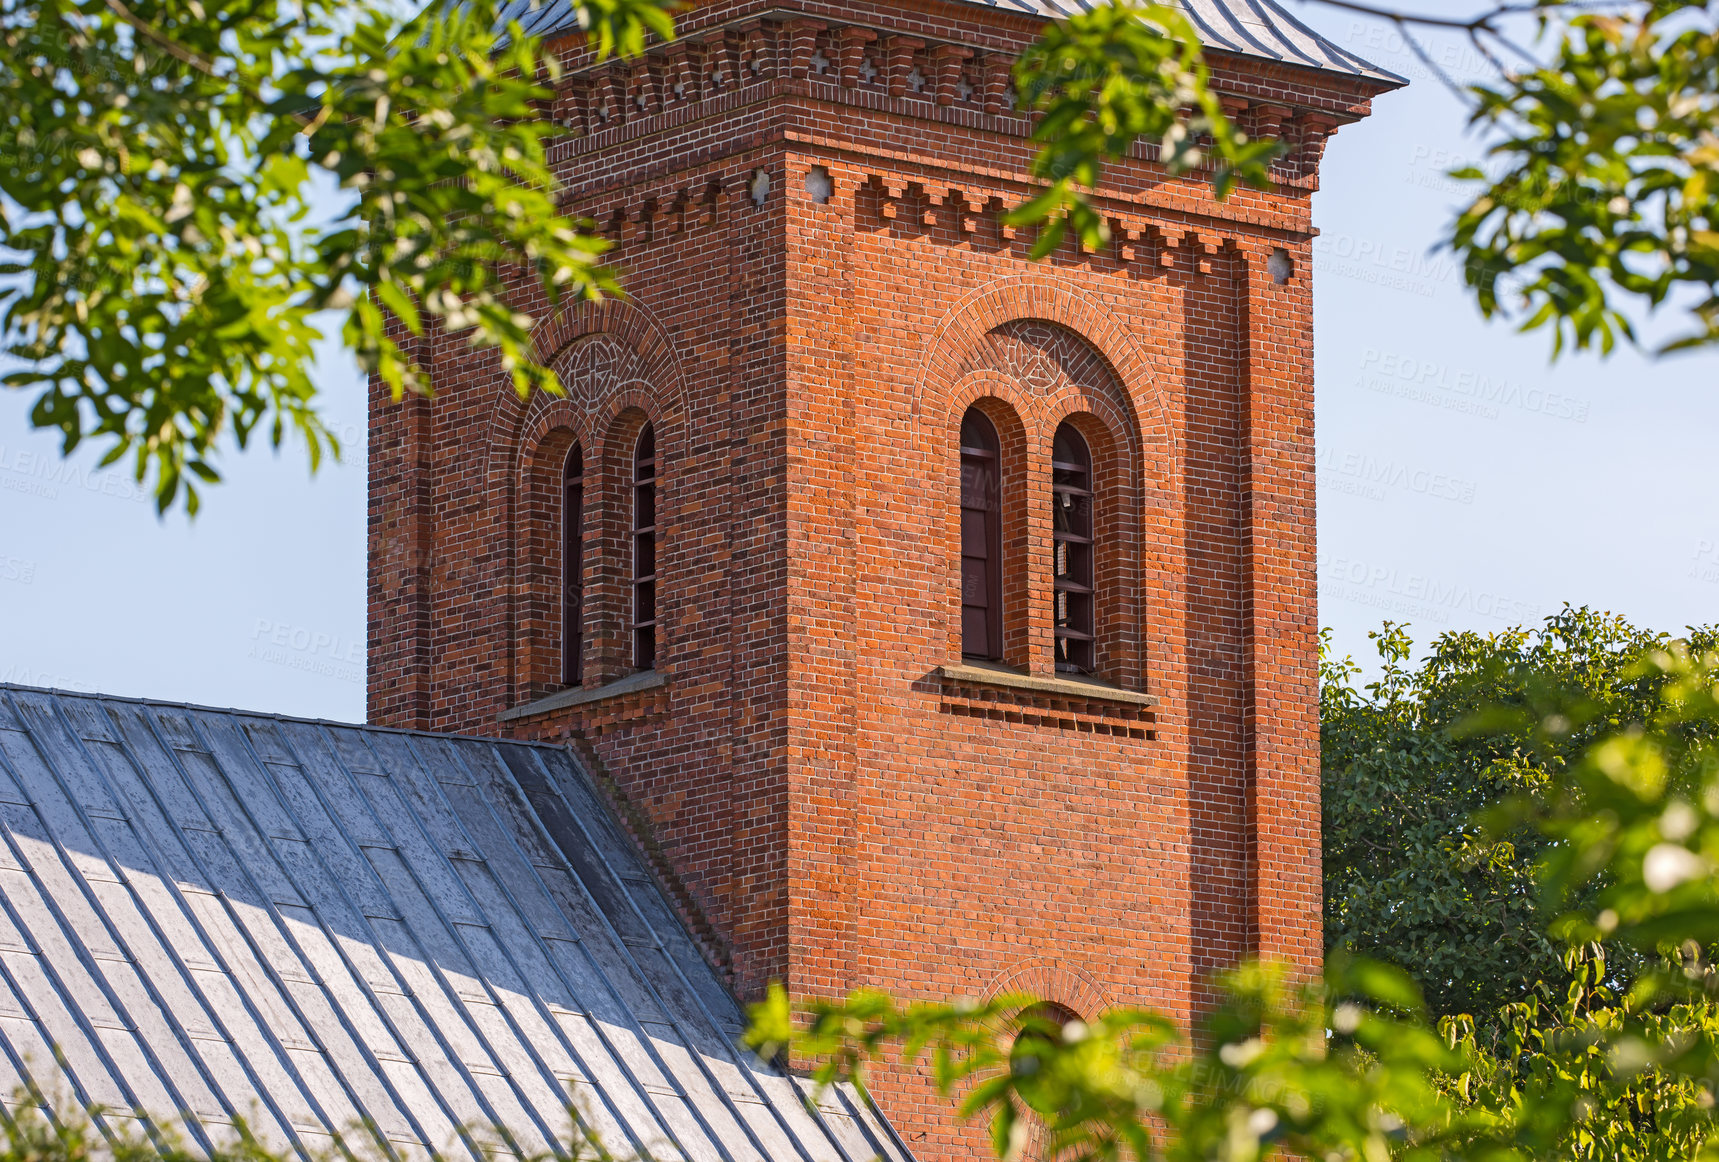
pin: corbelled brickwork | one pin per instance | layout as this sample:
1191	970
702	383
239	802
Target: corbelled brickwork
807	210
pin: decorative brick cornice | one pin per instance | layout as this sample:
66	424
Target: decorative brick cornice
1140	244
783	52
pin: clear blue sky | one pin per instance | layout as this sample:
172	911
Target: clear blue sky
1464	482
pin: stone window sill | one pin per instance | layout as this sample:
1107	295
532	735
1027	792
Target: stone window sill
579	696
1074	689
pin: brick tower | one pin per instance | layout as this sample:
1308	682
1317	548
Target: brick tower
944	621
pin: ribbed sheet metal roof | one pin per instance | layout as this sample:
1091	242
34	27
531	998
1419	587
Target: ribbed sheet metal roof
1250	28
312	926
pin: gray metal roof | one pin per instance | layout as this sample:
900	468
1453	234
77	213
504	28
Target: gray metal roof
314	926
1251	28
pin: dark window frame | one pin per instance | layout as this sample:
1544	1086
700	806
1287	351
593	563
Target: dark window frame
573	568
1074	597
981	537
644	619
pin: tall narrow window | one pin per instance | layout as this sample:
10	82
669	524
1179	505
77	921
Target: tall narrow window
1071	535
981	539
645	551
573	568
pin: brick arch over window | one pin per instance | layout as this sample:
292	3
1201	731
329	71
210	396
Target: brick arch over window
1059	370
1054	979
596	349
1064	992
614	359
633	325
1140	374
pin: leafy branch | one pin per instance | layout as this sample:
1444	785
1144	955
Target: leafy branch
161	165
1603	143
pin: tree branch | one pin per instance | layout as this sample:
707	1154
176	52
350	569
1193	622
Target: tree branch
203	65
1486	21
1478	27
162	40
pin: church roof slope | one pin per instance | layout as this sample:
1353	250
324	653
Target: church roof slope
317	927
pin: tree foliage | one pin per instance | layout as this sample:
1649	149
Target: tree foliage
1107	79
1263	1073
1579	1051
1603	191
165	168
165	165
1413	875
1598	202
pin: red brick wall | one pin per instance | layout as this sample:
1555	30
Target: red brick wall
828	810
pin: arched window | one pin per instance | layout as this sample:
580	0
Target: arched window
1037	1031
573	568
645	551
1071	535
981	539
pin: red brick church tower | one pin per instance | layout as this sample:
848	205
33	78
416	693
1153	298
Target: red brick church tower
943	621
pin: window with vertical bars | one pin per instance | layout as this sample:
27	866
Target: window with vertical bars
645	551
573	568
1071	537
981	539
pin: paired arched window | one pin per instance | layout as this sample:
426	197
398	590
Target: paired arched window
1071	543
982	549
573	568
640	571
645	550
981	538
